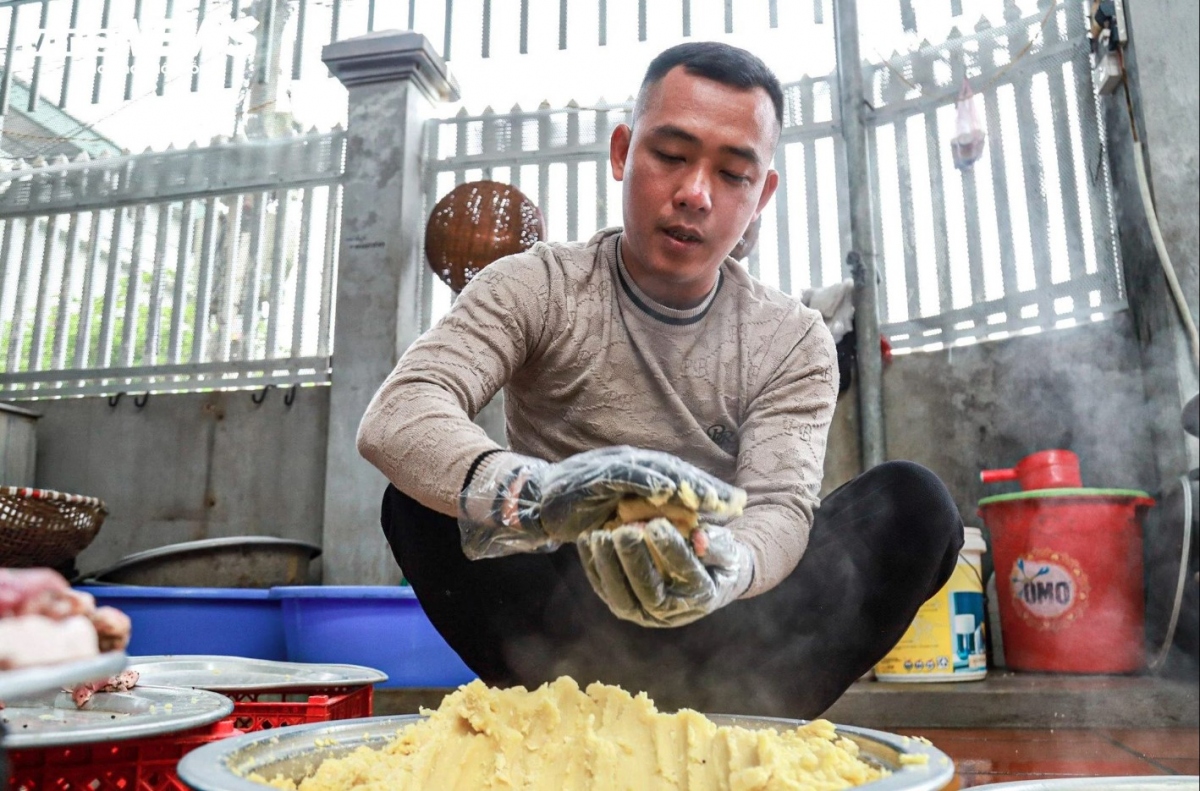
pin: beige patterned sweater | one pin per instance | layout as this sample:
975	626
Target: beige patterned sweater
742	386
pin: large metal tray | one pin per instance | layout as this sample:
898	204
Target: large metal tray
52	720
1100	784
240	674
295	752
234	562
35	680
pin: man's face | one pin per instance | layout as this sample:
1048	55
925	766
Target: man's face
696	171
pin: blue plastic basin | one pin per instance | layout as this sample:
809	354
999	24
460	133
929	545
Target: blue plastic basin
221	621
379	627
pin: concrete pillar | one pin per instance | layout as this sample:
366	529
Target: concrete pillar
394	78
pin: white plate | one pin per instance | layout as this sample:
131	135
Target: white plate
240	674
51	719
35	680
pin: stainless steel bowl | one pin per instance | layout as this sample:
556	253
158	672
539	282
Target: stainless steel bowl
1101	784
235	562
296	752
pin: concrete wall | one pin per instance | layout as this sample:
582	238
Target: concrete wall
18	446
1165	42
188	467
1163	57
963	410
198	465
1163	60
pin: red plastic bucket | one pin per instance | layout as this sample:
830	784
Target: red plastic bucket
1069	578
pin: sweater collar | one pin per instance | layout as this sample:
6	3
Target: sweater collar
657	310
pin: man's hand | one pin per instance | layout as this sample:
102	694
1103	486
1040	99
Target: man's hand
649	574
580	493
522	504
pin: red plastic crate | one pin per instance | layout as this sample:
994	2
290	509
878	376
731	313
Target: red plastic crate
129	765
260	711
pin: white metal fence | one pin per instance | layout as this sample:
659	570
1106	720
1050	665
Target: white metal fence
117	39
178	270
96	48
1022	241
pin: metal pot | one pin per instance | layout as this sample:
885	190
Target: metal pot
295	751
236	562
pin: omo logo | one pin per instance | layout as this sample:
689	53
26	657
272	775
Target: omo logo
1054	593
1049	588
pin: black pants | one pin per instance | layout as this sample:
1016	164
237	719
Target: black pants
881	545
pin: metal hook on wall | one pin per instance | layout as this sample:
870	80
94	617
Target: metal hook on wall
113	400
261	395
289	397
142	400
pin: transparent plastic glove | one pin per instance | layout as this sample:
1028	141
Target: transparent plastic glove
651	575
498	510
520	504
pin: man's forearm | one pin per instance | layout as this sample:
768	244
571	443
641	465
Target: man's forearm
777	538
422	440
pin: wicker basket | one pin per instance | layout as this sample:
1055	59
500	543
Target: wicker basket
476	223
39	527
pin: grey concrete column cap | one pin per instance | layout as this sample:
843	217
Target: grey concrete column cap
391	55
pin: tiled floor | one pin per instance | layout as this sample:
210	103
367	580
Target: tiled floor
1006	755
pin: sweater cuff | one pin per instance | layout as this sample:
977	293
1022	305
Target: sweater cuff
473	470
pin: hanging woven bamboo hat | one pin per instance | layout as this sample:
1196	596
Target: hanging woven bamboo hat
477	223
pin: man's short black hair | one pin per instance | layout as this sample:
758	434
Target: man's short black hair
718	62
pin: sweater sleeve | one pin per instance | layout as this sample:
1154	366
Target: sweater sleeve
782	451
418	428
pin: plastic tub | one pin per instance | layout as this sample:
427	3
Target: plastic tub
380	627
947	639
225	621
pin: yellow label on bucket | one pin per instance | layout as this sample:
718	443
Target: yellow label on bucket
946	641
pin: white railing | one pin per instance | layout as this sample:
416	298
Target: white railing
1023	241
170	37
179	270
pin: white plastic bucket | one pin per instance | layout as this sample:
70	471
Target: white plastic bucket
947	641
